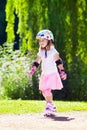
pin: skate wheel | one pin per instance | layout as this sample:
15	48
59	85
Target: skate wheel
46	115
49	115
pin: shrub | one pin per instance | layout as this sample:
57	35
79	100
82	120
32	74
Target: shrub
14	79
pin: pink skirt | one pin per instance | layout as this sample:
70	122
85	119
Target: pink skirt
51	81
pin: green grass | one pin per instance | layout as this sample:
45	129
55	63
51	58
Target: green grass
33	106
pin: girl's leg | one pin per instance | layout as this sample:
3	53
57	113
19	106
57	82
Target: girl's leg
50	107
48	95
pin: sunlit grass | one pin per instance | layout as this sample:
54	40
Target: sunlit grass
28	106
64	106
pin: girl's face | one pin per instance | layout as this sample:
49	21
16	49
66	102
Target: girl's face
43	42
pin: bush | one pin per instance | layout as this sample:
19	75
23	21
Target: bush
14	79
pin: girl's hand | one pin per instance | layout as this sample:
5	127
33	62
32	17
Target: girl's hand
32	71
63	75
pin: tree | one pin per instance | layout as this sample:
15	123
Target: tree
67	20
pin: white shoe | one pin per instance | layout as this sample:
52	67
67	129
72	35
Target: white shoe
50	109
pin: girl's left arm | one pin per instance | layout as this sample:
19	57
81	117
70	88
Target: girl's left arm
60	66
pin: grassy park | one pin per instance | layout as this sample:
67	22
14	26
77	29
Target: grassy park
21	103
18	49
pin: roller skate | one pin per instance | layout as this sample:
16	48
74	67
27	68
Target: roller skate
50	110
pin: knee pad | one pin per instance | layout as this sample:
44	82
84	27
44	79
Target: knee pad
46	92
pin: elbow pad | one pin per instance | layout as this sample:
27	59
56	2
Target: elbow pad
58	62
35	64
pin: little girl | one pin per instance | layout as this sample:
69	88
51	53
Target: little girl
51	62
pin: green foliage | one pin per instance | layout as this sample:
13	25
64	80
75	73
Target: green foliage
10	20
76	52
68	21
32	17
14	79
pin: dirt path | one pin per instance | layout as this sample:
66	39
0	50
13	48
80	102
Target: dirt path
62	121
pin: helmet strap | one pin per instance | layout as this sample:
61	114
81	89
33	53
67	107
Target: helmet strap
45	52
46	49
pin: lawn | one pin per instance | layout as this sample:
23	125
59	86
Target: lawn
35	106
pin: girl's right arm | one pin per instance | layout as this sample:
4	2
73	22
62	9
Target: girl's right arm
35	66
